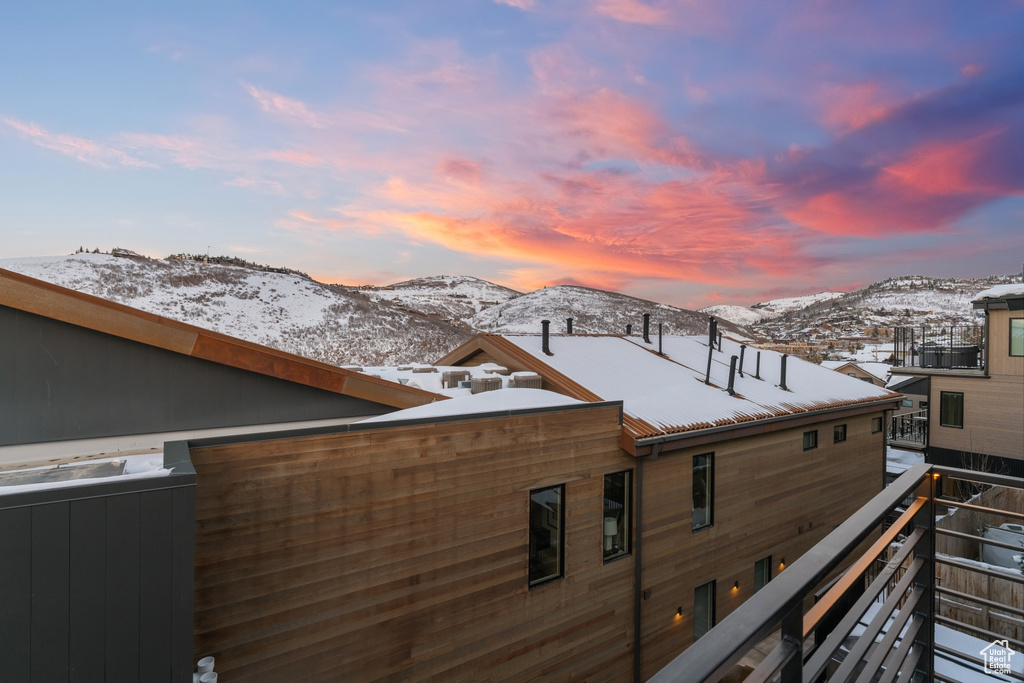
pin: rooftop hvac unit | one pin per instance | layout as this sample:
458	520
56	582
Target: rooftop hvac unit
453	378
481	384
353	368
427	368
526	380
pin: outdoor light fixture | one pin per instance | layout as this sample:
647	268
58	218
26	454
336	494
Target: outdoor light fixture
782	563
679	612
736	586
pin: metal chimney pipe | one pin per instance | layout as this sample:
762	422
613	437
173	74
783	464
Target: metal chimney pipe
707	375
647	328
782	382
732	376
545	335
719	341
743	350
659	340
629	330
757	369
568	325
712	330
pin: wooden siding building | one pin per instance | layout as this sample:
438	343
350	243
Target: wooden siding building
976	417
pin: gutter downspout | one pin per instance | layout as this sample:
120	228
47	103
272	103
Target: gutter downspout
638	564
987	345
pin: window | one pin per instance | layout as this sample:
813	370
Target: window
951	409
908	403
547	522
876	425
617	508
810	440
762	572
703	490
865	379
838	433
703	609
922	404
1017	336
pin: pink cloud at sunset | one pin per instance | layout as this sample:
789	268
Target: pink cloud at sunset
81	149
285	108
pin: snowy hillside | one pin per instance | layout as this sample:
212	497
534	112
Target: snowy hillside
592	310
451	297
777	307
329	323
741	315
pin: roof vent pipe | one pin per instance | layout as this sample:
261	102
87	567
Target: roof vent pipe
647	328
743	350
568	325
629	330
782	382
719	341
732	376
659	340
707	376
545	335
757	368
712	330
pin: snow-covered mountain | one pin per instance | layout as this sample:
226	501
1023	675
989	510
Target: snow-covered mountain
593	311
451	297
329	323
767	310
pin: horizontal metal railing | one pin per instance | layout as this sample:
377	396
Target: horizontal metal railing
897	604
909	428
947	347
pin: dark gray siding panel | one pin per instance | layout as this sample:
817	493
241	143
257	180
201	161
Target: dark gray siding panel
182	597
66	382
88	616
50	562
122	588
156	567
15	593
96	580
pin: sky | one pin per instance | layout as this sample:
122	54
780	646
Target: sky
693	152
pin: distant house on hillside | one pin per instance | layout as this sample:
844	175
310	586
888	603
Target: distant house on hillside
976	384
875	373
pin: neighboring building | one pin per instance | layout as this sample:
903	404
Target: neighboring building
876	373
712	452
590	531
976	392
908	426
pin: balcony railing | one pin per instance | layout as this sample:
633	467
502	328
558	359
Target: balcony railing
892	608
953	347
909	429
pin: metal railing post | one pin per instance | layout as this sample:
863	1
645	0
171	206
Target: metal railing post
793	631
925	549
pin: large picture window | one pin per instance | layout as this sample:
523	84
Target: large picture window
703	490
951	409
617	513
703	609
1017	336
547	529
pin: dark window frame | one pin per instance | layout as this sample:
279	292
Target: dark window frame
625	525
874	421
766	568
942	409
836	438
710	504
1010	341
535	537
713	598
814	439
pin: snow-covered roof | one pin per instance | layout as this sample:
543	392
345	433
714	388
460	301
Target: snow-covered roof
898	461
1013	290
485	402
85	473
666	394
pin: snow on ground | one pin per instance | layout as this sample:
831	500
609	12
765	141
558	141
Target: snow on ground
741	315
485	402
453	297
898	461
135	467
